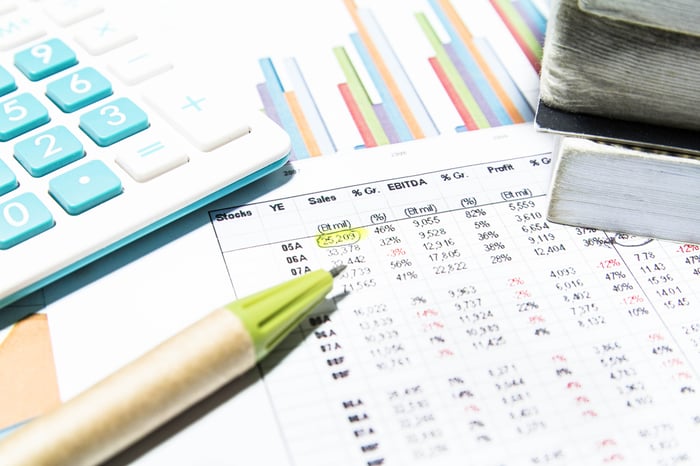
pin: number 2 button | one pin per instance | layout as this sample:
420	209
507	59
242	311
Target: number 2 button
113	122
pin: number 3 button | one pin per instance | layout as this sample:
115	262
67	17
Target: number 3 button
113	122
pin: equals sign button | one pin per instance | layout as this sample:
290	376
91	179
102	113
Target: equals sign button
151	160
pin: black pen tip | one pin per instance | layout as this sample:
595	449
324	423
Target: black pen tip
335	271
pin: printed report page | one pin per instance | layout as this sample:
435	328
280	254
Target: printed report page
465	327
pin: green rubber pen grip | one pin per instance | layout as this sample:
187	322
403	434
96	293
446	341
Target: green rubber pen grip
271	314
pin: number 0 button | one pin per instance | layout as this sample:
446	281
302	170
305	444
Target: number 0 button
85	187
78	90
21	218
113	122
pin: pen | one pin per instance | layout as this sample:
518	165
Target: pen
125	406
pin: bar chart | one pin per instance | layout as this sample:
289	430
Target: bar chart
468	70
28	381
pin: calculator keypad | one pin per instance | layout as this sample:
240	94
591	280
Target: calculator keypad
100	140
72	89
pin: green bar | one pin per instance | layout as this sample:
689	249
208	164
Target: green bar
520	25
452	74
361	97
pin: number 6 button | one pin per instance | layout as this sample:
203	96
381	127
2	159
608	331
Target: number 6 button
113	122
78	90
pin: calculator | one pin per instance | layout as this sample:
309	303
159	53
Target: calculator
102	140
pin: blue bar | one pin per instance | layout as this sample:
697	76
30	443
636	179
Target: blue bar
487	106
274	87
403	82
392	111
504	78
472	67
533	17
271	111
308	105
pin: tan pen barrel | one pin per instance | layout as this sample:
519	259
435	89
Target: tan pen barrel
133	401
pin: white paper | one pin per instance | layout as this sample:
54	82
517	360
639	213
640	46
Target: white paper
473	330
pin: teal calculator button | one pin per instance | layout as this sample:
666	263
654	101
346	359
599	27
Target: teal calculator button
21	218
48	151
19	114
7	82
8	180
114	121
44	59
84	187
77	90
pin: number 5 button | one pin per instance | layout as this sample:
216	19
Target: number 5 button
113	122
20	114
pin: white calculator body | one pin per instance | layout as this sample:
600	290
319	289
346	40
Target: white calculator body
102	140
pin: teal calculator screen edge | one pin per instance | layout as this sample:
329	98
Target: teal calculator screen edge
134	236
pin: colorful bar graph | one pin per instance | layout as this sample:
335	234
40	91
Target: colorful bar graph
394	122
317	127
533	18
469	123
302	124
468	69
489	90
274	92
357	116
371	43
360	96
465	94
518	27
484	65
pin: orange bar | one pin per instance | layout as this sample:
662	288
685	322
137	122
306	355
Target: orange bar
405	110
302	124
452	94
356	115
28	382
466	37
